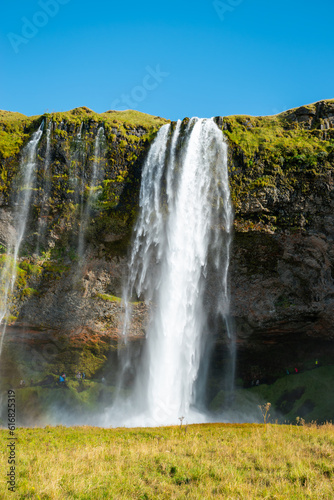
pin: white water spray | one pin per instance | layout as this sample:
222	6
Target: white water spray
22	206
183	232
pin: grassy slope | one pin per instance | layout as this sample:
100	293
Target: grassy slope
12	136
121	120
308	395
297	394
254	132
206	461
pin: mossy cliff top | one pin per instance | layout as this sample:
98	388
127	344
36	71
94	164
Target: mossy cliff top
127	136
279	164
122	120
310	126
15	128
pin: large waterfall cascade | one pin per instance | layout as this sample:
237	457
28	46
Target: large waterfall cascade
22	207
183	230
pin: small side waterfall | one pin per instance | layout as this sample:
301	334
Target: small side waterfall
46	183
182	236
22	206
77	161
92	190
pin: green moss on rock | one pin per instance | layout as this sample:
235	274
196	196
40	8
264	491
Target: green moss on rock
275	159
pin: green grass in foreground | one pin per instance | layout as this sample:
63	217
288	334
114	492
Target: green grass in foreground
207	461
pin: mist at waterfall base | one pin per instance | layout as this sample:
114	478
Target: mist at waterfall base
181	241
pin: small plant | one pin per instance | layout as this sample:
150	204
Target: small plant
181	420
265	412
300	421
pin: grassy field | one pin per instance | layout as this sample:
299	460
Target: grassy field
227	461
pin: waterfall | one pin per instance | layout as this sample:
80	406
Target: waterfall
182	236
80	131
22	206
42	223
92	193
77	159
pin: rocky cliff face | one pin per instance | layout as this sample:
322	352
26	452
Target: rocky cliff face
282	289
282	265
49	262
66	309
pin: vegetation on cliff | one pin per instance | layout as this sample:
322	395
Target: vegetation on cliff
124	129
274	158
62	188
279	161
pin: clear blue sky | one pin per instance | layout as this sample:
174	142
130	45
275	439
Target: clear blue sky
259	57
